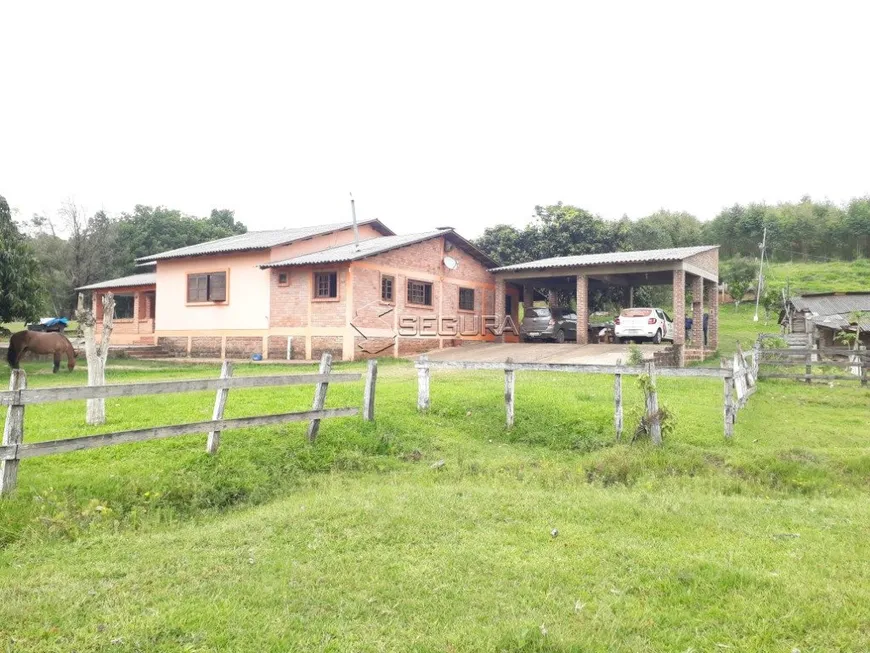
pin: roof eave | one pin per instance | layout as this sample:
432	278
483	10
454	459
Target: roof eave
375	222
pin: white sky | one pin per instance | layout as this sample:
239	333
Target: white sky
464	114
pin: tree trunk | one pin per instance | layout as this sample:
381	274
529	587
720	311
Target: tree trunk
96	354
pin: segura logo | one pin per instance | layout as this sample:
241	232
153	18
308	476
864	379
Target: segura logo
379	326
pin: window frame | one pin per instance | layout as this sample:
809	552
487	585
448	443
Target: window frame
459	299
208	301
425	284
314	289
286	282
393	288
132	317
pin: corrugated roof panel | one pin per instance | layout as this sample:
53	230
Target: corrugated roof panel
256	240
832	304
350	252
645	256
145	279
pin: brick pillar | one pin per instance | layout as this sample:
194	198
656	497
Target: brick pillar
582	309
136	312
698	312
552	299
679	317
528	295
713	320
499	307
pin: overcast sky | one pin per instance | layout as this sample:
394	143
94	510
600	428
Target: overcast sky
464	114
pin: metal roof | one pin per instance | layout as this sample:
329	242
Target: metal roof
832	310
350	252
644	256
832	303
253	240
144	279
374	246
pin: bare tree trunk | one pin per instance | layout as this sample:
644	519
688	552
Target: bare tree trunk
96	353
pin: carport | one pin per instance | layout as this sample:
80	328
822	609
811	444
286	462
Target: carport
694	267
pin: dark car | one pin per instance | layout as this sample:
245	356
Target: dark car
553	324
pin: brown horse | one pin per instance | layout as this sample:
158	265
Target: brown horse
40	343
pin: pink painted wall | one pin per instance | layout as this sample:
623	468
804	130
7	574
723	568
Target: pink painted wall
247	305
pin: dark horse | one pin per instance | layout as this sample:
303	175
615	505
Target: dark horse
40	343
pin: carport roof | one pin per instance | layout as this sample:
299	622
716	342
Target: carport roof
643	256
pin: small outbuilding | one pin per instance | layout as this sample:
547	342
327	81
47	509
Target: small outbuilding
821	317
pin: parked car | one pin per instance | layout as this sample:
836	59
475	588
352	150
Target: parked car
643	324
556	324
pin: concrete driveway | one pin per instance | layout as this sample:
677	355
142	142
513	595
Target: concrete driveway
540	352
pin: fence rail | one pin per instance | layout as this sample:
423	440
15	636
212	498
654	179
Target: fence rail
13	448
810	359
738	385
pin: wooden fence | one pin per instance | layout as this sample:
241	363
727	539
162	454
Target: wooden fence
14	449
817	363
738	379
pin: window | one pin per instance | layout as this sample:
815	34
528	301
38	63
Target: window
207	287
387	285
508	305
124	307
325	285
283	278
466	299
419	292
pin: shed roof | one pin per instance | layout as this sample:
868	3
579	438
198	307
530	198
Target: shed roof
254	240
832	303
644	256
832	310
374	246
144	279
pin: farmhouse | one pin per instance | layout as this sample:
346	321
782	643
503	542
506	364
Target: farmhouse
295	293
818	318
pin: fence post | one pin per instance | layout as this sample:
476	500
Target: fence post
13	432
728	387
809	367
509	392
423	383
220	401
864	365
369	392
617	404
652	407
320	395
756	359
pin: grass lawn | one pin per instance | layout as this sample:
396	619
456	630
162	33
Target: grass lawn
362	543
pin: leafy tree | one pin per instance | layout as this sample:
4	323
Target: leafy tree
665	229
504	244
739	274
21	295
148	230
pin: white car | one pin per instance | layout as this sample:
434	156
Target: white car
643	323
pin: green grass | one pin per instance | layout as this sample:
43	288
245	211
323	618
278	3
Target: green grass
832	276
358	544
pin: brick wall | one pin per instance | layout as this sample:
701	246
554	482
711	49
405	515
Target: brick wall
205	347
708	261
278	347
243	346
175	345
320	344
288	305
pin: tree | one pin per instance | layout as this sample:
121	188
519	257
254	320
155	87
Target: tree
21	293
148	230
739	275
96	353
